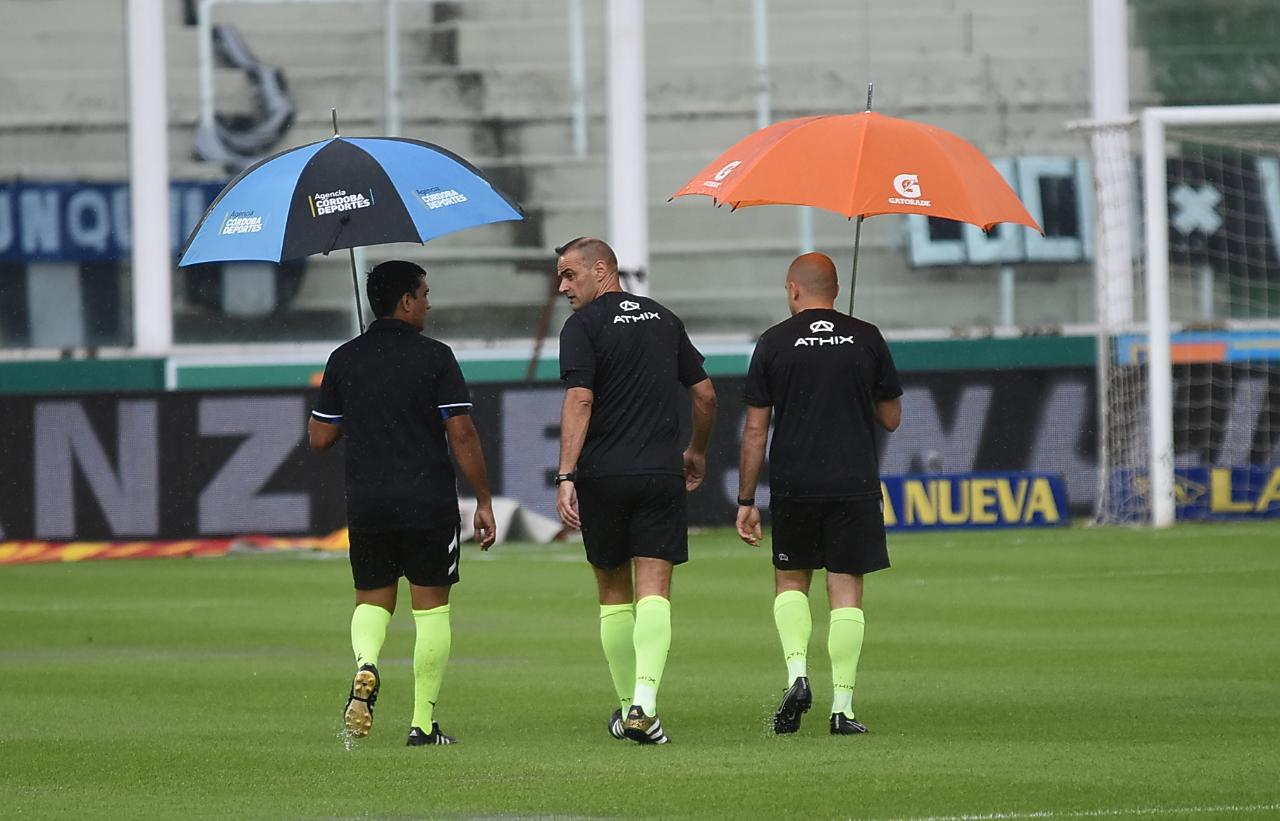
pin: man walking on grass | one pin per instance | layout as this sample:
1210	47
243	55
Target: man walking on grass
827	379
622	477
399	399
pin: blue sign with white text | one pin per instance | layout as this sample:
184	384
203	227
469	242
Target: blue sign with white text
86	222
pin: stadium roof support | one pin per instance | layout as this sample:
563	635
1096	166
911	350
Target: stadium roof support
628	153
149	179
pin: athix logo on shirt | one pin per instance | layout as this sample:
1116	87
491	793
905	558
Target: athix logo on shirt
908	185
721	174
628	305
822	326
435	198
337	201
241	222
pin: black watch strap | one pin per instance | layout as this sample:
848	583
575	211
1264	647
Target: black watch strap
746	502
566	477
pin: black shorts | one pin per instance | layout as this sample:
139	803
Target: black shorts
427	558
628	516
843	537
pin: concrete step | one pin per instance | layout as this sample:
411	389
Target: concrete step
33	16
540	9
835	36
85	49
72	96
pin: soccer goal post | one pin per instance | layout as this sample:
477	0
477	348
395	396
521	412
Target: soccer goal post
1187	394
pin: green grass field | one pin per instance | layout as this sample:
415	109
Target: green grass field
1026	674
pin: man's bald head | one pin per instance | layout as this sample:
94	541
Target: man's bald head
815	275
590	251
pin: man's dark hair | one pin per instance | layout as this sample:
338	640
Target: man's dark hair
591	249
388	281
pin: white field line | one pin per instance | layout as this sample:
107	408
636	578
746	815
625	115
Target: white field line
1120	813
1110	574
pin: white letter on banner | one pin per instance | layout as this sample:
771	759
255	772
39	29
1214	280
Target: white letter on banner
176	236
1058	434
729	483
39	209
232	501
1269	174
531	417
94	231
120	216
129	495
1031	170
1004	243
6	221
928	251
193	205
922	445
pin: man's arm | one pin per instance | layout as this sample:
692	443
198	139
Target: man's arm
575	415
755	433
322	435
889	413
703	397
464	442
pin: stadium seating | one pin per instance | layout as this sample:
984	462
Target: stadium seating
489	79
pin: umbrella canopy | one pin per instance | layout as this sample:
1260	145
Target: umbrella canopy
345	192
861	165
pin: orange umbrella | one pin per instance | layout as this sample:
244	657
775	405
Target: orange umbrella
861	165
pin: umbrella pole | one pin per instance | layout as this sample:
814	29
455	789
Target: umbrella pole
853	277
857	232
355	277
355	284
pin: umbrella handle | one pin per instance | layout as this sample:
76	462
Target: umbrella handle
355	284
853	276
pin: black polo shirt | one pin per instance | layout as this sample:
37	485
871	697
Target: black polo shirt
822	371
633	353
391	390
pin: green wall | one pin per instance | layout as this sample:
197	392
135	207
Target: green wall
117	375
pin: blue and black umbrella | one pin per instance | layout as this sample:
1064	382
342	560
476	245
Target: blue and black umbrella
345	192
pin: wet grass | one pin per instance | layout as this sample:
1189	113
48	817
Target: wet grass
1049	674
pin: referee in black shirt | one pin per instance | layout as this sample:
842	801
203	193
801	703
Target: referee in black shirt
828	380
623	478
399	399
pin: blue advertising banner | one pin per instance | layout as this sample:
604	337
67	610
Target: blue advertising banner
974	500
1211	493
86	222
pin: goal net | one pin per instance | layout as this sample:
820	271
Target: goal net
1188	306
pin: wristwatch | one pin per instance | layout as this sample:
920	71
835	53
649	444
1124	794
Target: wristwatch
746	502
566	477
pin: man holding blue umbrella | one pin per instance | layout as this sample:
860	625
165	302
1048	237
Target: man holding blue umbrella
400	401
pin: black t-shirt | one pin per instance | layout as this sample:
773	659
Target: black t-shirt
391	390
823	372
634	355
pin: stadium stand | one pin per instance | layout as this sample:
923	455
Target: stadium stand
489	79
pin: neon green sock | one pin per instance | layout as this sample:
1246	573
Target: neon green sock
844	643
368	632
652	641
791	615
617	631
430	655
